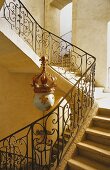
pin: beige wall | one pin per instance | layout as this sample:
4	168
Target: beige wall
16	102
50	13
36	8
52	18
90	32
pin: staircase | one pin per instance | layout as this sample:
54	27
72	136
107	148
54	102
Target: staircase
41	144
93	152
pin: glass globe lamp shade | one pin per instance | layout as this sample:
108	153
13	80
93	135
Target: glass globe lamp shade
44	89
44	101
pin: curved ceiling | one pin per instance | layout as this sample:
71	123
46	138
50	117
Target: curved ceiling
60	3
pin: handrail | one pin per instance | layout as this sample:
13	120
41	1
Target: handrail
38	138
66	33
53	109
53	33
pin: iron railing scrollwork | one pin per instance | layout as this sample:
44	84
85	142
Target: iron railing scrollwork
39	146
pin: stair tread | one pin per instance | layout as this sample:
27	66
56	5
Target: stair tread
102	149
103	110
70	75
99	117
87	164
99	131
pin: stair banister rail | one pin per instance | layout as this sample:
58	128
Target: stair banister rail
37	145
12	153
58	51
59	103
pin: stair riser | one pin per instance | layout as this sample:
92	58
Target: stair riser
74	167
104	112
94	155
101	123
98	139
104	115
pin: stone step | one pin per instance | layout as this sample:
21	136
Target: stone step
83	163
95	151
72	76
104	112
99	135
101	121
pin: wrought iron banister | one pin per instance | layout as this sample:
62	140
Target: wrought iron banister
37	145
49	113
15	140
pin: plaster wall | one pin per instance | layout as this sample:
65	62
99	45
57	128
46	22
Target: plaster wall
52	18
16	102
36	8
90	20
44	13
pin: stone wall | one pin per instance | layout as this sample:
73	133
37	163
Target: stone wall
52	18
90	20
